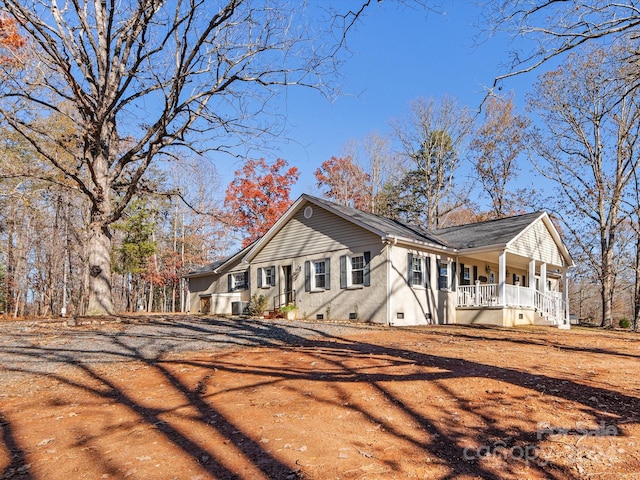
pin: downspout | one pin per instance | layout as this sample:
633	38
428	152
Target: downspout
187	304
389	241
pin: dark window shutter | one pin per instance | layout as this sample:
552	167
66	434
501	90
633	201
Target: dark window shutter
327	275
229	283
273	276
475	274
343	271
427	282
462	281
367	269
454	275
259	277
307	276
410	268
438	266
246	280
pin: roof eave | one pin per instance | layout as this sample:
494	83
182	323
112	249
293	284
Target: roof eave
483	249
410	242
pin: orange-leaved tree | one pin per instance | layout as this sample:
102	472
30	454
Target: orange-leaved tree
344	182
258	196
11	42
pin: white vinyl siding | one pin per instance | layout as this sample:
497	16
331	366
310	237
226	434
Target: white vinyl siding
538	244
324	232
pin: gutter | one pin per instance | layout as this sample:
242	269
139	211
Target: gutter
390	241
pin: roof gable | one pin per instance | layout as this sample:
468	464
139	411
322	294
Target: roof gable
489	235
385	228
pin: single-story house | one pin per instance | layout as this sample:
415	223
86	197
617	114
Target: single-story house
338	263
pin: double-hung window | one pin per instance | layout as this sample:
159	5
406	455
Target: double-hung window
419	270
238	281
317	274
355	270
443	276
266	277
416	271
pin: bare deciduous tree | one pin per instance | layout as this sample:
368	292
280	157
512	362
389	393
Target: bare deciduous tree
373	154
589	149
495	146
432	139
554	27
140	79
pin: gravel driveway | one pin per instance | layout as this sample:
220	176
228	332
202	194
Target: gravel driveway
45	346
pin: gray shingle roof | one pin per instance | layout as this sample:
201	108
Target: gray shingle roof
208	268
483	234
473	235
384	225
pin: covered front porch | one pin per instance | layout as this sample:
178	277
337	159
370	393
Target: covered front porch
508	289
519	305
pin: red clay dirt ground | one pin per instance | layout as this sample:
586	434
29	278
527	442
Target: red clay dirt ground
433	402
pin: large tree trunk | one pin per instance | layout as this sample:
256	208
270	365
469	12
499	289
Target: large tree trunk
100	299
636	292
607	288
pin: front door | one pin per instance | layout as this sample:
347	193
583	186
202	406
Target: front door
288	284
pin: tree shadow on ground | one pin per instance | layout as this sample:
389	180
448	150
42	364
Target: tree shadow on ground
344	362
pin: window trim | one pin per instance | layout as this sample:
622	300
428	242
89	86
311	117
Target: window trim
233	285
425	270
310	275
346	272
316	275
446	276
263	274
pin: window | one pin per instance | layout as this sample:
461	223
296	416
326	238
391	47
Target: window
317	275
466	274
266	277
443	276
416	271
355	270
238	281
419	272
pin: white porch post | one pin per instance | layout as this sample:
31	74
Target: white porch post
532	274
543	278
502	276
565	323
476	294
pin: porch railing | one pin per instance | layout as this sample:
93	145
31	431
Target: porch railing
549	304
477	295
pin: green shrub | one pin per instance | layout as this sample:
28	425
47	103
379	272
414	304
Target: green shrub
289	307
624	323
258	305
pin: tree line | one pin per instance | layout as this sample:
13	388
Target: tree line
108	112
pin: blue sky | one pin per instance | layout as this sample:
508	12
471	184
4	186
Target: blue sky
397	55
